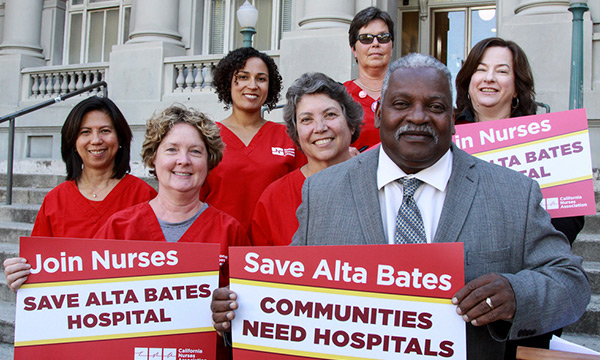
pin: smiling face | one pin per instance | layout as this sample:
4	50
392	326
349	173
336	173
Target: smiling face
374	55
492	85
415	118
97	142
323	132
250	85
181	160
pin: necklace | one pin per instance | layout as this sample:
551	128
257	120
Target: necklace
366	87
95	192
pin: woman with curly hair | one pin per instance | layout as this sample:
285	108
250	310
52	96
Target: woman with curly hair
180	147
257	151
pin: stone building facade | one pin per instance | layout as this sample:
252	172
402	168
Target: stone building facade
153	53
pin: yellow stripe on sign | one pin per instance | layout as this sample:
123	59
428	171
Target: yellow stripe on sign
340	292
123	279
296	352
530	143
114	336
568	181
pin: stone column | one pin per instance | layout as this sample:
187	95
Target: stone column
137	67
319	14
19	49
22	25
543	29
530	7
156	20
321	38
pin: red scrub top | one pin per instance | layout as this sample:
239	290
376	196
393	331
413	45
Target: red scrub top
235	185
274	222
65	212
369	135
212	226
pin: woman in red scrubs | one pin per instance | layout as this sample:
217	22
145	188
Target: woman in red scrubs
180	148
257	151
323	119
95	147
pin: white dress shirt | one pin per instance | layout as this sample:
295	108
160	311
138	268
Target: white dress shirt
429	196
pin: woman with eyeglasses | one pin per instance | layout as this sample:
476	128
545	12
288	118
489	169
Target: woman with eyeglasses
371	37
257	151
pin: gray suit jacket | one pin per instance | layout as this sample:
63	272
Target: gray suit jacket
494	211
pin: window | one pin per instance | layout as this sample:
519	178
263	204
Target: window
410	32
456	30
274	18
93	27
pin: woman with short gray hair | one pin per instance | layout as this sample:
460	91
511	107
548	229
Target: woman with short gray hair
322	119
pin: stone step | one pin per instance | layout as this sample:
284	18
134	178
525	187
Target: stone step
589	324
7	322
587	246
592	224
592	268
10	232
7	351
22	213
6	294
25	195
8	250
33	180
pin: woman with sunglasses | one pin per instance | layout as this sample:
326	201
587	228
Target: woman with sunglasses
371	37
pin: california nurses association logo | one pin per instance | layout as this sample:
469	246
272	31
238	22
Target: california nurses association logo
142	353
278	151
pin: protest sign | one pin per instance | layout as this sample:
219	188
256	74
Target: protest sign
553	149
108	299
335	302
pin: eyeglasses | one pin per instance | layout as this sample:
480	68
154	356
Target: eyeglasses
368	38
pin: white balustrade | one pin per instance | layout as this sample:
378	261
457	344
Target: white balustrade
190	74
51	82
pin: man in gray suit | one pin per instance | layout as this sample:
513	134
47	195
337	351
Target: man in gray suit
522	278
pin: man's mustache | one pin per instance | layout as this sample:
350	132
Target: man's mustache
425	128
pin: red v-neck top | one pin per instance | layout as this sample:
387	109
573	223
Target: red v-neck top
65	212
274	222
235	185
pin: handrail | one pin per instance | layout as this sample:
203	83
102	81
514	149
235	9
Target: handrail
11	132
545	106
265	109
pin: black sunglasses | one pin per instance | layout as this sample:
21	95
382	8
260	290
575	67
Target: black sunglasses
381	38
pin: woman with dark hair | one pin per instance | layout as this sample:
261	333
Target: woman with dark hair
95	148
496	83
322	119
371	38
257	151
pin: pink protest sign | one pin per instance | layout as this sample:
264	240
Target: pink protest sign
553	149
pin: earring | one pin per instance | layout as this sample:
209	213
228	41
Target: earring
513	105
